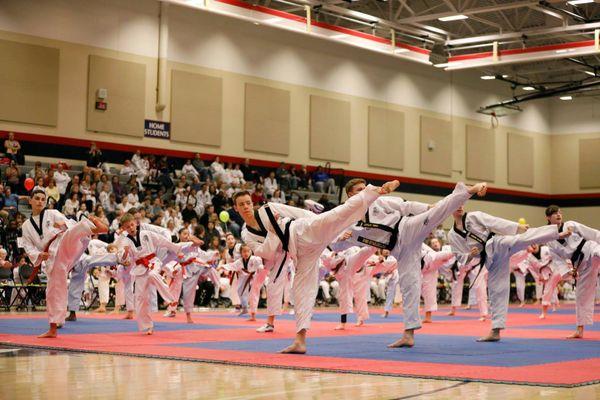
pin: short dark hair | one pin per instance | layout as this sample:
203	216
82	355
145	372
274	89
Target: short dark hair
36	191
353	182
240	194
552	209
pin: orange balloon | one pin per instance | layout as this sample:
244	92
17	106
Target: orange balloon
29	184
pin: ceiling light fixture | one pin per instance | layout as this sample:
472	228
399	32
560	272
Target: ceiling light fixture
488	77
528	88
401	50
565	98
456	17
577	2
589	73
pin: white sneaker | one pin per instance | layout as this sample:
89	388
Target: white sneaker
265	328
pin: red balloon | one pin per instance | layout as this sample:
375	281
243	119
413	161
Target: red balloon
29	184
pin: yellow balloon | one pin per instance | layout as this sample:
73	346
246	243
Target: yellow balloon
522	221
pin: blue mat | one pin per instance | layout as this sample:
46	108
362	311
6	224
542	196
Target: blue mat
36	326
440	349
560	327
333	317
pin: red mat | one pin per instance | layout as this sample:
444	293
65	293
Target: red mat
532	351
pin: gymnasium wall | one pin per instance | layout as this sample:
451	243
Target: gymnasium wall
229	68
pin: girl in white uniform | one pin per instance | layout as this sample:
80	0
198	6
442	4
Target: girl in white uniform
432	259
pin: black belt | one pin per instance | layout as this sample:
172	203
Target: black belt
380	245
422	263
577	257
284	237
482	255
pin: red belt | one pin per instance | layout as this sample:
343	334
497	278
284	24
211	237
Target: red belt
188	262
145	261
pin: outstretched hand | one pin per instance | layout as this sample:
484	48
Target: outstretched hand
389	187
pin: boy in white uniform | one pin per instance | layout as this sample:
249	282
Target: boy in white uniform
304	240
49	237
142	246
583	250
482	231
432	259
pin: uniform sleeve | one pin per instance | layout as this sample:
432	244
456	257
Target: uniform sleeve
164	232
291	212
234	266
404	207
584	231
438	259
497	225
103	260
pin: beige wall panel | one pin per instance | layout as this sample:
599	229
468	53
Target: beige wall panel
589	163
438	132
196	108
29	83
329	129
126	83
520	160
386	138
481	154
267	119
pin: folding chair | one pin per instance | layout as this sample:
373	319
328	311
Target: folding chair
29	293
7	285
95	293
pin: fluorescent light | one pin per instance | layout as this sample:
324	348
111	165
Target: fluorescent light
441	65
488	77
577	2
505	76
401	50
453	18
589	73
528	88
566	98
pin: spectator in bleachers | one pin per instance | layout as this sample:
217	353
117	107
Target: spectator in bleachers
188	213
250	174
201	168
189	171
217	169
322	182
12	176
102	183
71	205
62	179
11	201
304	181
258	197
283	177
270	184
128	169
219	201
52	191
39	184
13	148
237	176
37	171
278	197
94	158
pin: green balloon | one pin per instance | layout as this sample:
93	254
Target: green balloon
224	216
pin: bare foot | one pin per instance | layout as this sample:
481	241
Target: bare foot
360	322
385	314
129	315
190	320
467	307
71	317
493	336
405	341
251	319
427	321
542	316
389	187
483	318
100	226
451	313
340	327
578	334
51	334
479	188
101	310
150	331
294	348
521	305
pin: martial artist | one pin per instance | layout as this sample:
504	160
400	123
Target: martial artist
142	247
50	238
582	248
361	284
304	240
405	235
432	259
246	268
481	231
